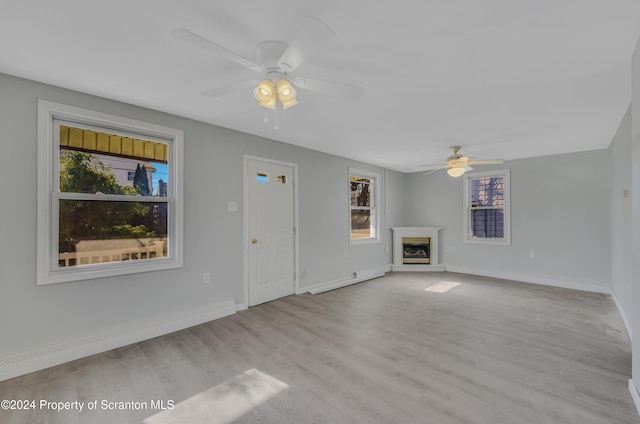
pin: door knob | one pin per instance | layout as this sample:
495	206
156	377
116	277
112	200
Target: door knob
254	241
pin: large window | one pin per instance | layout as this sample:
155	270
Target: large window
363	206
487	207
108	196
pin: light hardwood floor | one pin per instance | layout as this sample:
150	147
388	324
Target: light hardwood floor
384	351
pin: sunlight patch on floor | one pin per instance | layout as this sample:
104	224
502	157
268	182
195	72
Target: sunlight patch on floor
224	403
442	286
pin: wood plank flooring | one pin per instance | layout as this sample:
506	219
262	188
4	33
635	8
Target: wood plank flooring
384	351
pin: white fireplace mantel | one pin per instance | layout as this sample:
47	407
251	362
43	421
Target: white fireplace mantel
432	232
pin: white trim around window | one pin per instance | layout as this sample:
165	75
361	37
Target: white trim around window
495	206
50	115
368	209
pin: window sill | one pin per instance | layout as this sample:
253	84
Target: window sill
358	242
498	242
91	272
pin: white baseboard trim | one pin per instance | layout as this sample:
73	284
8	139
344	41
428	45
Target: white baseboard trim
417	268
357	277
627	325
533	279
634	395
241	307
49	356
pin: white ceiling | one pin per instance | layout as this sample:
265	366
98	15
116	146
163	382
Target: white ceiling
503	78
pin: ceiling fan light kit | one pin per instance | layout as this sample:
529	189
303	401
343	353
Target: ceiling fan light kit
267	92
456	171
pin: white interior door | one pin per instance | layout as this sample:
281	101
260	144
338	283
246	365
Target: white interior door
271	243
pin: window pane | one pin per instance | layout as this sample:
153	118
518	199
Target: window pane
92	162
361	192
487	192
361	223
92	231
487	223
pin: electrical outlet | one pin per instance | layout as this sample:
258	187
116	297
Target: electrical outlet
206	278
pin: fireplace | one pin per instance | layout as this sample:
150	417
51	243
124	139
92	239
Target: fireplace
416	249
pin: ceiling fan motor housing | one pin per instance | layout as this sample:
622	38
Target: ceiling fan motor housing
269	53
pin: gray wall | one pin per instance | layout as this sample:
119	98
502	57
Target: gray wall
559	210
621	264
395	196
34	316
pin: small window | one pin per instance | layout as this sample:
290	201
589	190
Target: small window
109	200
363	206
487	207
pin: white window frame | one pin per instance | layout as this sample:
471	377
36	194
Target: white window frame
375	207
49	194
466	232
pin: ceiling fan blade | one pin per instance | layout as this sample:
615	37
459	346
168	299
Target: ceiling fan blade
313	35
485	162
432	171
226	89
431	165
338	89
196	40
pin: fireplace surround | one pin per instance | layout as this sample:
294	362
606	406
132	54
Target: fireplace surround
416	249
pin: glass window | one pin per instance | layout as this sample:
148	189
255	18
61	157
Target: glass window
363	208
487	207
112	193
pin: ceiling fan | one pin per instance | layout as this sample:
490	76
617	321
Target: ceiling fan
276	60
458	164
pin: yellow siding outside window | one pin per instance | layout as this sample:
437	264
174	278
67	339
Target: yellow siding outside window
97	142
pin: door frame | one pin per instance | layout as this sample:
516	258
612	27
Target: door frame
245	233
